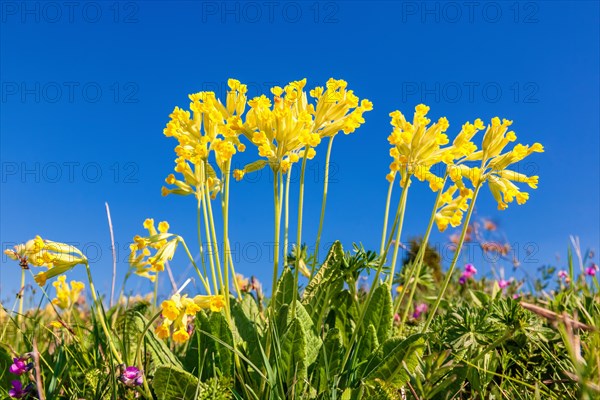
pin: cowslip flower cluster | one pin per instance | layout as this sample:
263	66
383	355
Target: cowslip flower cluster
160	241
57	257
417	147
66	296
494	165
212	128
179	310
468	273
290	127
451	206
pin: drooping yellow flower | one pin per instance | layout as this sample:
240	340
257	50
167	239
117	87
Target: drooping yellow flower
290	127
338	109
179	311
163	243
451	206
57	257
213	127
494	165
417	147
66	296
282	127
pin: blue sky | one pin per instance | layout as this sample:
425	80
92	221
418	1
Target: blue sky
87	88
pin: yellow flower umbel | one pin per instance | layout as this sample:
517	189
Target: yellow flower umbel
281	129
494	165
66	296
212	128
338	109
179	311
450	209
57	257
417	147
161	242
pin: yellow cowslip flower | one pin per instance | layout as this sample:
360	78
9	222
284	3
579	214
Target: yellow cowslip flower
338	109
494	164
450	208
281	128
66	296
179	310
57	257
417	147
161	241
213	127
290	127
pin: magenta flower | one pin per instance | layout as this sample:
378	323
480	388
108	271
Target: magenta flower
503	283
132	377
18	391
470	270
562	274
396	318
420	309
20	365
591	270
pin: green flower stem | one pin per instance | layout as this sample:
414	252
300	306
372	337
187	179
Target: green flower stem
156	290
415	271
287	215
386	216
113	349
225	204
454	260
403	198
202	279
299	233
199	228
137	360
233	274
213	232
21	295
277	226
399	216
323	204
211	220
209	244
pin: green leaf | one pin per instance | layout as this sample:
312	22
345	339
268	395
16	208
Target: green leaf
220	329
325	285
367	345
248	330
396	360
379	313
285	290
313	342
330	357
292	360
171	383
206	354
129	326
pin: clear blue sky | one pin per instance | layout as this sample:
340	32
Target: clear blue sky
87	88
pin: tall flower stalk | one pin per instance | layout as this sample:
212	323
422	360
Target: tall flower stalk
323	204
